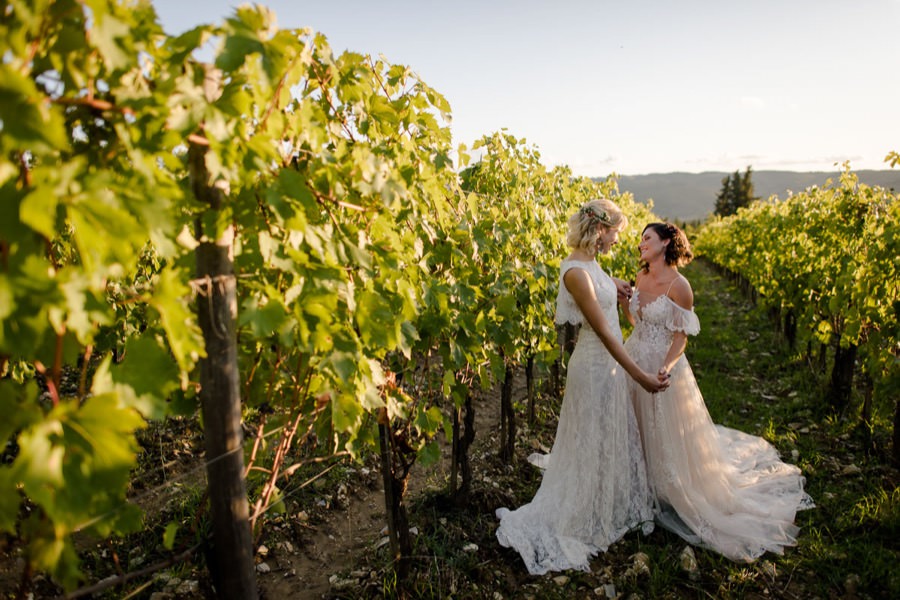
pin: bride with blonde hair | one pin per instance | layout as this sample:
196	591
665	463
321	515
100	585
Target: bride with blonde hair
594	487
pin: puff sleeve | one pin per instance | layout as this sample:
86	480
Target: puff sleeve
680	319
567	310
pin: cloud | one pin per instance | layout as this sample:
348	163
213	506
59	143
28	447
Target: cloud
753	102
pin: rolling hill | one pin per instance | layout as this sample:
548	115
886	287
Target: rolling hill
692	196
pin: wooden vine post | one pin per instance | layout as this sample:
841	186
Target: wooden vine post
232	569
396	462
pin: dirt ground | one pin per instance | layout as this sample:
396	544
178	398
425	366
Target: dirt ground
323	550
320	560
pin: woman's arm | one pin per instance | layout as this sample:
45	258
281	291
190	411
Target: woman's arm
676	349
579	284
682	295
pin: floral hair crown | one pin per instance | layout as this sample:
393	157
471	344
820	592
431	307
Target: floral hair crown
595	217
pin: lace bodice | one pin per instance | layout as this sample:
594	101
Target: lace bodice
567	310
714	486
657	321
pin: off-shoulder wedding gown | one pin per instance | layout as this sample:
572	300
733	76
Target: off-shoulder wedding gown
715	487
594	488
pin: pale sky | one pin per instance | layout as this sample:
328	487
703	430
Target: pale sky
636	86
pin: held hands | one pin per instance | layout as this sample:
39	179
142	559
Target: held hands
655	384
663	377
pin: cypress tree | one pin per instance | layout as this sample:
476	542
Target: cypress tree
737	191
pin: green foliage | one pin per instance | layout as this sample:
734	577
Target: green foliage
361	253
82	193
828	256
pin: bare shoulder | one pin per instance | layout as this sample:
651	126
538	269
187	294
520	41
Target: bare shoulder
576	276
681	293
578	282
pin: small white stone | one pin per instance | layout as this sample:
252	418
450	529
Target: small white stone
338	583
188	587
263	568
689	563
561	580
851	470
470	548
263	550
640	565
851	585
341	498
607	590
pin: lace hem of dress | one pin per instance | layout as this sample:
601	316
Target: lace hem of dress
568	318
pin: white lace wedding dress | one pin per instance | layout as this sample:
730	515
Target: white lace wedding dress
716	487
594	488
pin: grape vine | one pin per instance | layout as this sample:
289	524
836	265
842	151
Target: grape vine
825	260
364	247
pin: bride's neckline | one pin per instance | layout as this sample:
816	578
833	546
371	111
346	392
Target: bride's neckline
641	307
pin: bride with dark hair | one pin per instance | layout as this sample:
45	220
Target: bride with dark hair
715	487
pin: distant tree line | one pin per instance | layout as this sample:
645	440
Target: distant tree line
737	191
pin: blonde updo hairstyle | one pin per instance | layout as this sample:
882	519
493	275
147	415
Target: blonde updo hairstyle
583	224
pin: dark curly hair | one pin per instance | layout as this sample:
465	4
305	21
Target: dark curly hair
678	250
